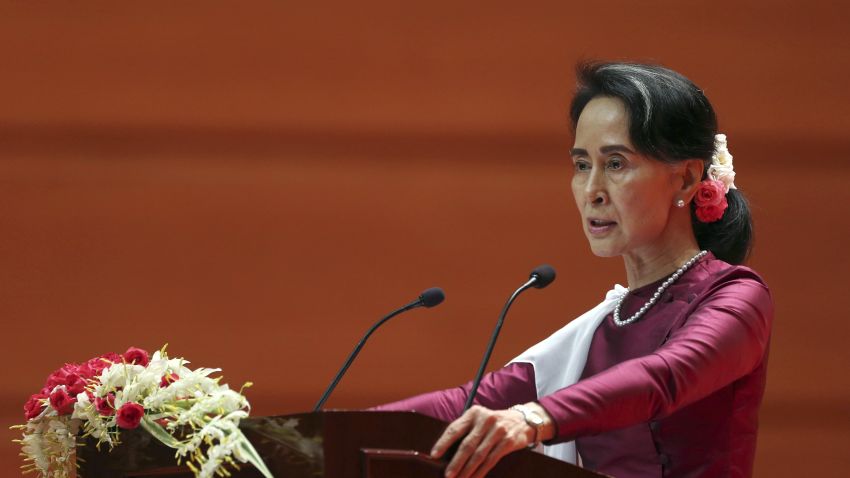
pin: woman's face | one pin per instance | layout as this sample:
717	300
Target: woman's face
624	198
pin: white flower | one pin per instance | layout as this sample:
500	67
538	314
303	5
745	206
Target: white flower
32	446
721	156
116	376
721	168
82	407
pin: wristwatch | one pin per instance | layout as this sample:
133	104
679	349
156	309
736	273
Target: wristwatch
534	420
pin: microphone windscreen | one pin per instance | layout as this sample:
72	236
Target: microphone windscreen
433	296
545	275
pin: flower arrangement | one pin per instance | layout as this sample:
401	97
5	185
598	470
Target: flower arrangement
184	409
710	200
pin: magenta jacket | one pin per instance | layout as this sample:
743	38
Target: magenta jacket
674	394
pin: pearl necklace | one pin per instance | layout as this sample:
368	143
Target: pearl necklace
657	295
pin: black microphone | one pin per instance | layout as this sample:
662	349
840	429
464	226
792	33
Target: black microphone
542	276
539	278
428	298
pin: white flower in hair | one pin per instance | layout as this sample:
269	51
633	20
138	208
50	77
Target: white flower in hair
721	163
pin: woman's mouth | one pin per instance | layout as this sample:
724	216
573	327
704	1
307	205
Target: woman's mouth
600	226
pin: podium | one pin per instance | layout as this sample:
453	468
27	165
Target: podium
329	444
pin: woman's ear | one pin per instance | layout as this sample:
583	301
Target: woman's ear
691	177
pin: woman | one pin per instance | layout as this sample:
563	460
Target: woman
663	378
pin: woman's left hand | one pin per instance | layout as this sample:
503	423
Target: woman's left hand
488	435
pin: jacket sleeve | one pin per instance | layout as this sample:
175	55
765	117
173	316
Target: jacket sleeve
507	386
724	338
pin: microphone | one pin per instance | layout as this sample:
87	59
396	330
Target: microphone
428	298
431	297
542	276
539	278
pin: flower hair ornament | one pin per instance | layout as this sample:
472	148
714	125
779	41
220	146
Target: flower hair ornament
710	199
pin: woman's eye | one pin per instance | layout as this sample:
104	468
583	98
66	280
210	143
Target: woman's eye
615	163
581	166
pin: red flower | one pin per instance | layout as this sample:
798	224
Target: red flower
34	406
168	379
711	212
136	356
60	377
75	383
62	402
130	415
105	405
710	193
72	376
93	367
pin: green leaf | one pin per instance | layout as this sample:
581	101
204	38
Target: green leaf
156	430
253	457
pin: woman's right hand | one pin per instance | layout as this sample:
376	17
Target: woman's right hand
487	436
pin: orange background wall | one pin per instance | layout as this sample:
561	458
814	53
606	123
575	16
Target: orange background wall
255	183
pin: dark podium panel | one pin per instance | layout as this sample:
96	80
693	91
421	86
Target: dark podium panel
330	444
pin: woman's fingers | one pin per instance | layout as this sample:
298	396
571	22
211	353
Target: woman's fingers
489	451
489	435
476	446
501	449
452	433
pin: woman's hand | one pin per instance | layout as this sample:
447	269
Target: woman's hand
488	435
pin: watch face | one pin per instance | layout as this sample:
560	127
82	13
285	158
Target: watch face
530	415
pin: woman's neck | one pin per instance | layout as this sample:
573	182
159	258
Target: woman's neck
651	266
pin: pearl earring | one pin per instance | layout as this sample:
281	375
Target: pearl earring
680	203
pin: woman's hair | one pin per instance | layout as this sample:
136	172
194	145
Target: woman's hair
671	120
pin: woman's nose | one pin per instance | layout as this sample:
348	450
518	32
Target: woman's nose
595	187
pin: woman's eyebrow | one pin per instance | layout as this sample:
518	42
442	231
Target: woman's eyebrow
607	149
615	148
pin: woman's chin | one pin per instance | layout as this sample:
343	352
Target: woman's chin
601	251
